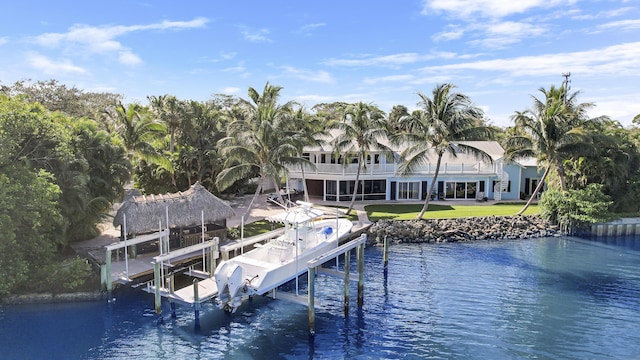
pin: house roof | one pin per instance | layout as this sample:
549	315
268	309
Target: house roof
144	213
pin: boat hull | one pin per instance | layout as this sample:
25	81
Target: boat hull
278	261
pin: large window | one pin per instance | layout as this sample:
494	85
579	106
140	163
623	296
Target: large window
331	190
367	190
461	190
408	190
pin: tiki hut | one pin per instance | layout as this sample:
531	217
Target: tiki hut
186	210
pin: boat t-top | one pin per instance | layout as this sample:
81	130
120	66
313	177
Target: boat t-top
282	259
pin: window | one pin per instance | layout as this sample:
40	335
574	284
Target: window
461	190
408	190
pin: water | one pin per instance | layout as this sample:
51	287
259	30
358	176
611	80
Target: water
545	298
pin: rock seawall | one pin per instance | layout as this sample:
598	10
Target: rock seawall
463	229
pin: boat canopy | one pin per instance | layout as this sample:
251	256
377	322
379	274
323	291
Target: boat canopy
296	215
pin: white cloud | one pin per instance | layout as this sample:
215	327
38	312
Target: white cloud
307	29
3	40
617	59
621	25
260	35
129	58
230	90
307	75
315	99
454	34
50	67
501	34
601	14
85	39
487	8
621	109
390	78
384	60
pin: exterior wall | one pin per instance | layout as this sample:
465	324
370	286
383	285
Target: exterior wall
513	192
379	168
529	172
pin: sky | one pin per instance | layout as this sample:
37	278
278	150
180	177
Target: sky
497	52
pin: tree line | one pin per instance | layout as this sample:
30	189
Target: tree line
68	155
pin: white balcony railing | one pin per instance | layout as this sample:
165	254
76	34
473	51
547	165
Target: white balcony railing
392	169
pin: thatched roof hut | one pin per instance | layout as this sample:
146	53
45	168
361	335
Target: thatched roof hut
185	209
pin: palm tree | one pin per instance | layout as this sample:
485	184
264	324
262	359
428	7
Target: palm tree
137	131
440	125
169	110
362	130
551	131
309	130
257	141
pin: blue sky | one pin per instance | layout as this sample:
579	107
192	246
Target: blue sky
499	52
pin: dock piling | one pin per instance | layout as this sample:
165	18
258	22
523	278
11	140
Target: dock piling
196	303
360	256
347	271
311	274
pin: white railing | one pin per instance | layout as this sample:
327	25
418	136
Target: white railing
392	169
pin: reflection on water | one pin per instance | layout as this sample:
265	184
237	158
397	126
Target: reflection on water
545	298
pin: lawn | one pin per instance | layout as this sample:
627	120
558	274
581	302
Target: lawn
438	211
264	226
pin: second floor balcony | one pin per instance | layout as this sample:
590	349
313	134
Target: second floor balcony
393	169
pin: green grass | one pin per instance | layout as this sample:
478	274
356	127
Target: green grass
264	226
437	211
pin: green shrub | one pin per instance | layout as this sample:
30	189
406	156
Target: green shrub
576	209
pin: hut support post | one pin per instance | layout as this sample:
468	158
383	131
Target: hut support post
347	265
360	256
196	303
311	274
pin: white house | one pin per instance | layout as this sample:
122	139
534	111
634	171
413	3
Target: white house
462	177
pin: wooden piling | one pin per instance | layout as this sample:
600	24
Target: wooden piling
360	256
196	303
158	285
311	276
107	266
347	266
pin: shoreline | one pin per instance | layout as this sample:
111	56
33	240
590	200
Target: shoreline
397	231
51	298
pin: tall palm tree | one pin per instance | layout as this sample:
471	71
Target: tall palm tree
257	141
309	130
551	131
362	130
169	111
440	125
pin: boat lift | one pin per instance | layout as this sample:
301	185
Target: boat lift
193	295
314	267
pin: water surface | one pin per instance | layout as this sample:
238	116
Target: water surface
547	298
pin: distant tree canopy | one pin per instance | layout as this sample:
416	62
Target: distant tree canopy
67	155
59	176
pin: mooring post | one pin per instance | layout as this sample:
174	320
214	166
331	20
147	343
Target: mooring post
311	274
172	288
158	298
360	256
386	253
108	271
347	269
196	303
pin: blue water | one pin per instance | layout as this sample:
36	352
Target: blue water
550	298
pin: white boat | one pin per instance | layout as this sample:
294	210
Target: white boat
280	260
